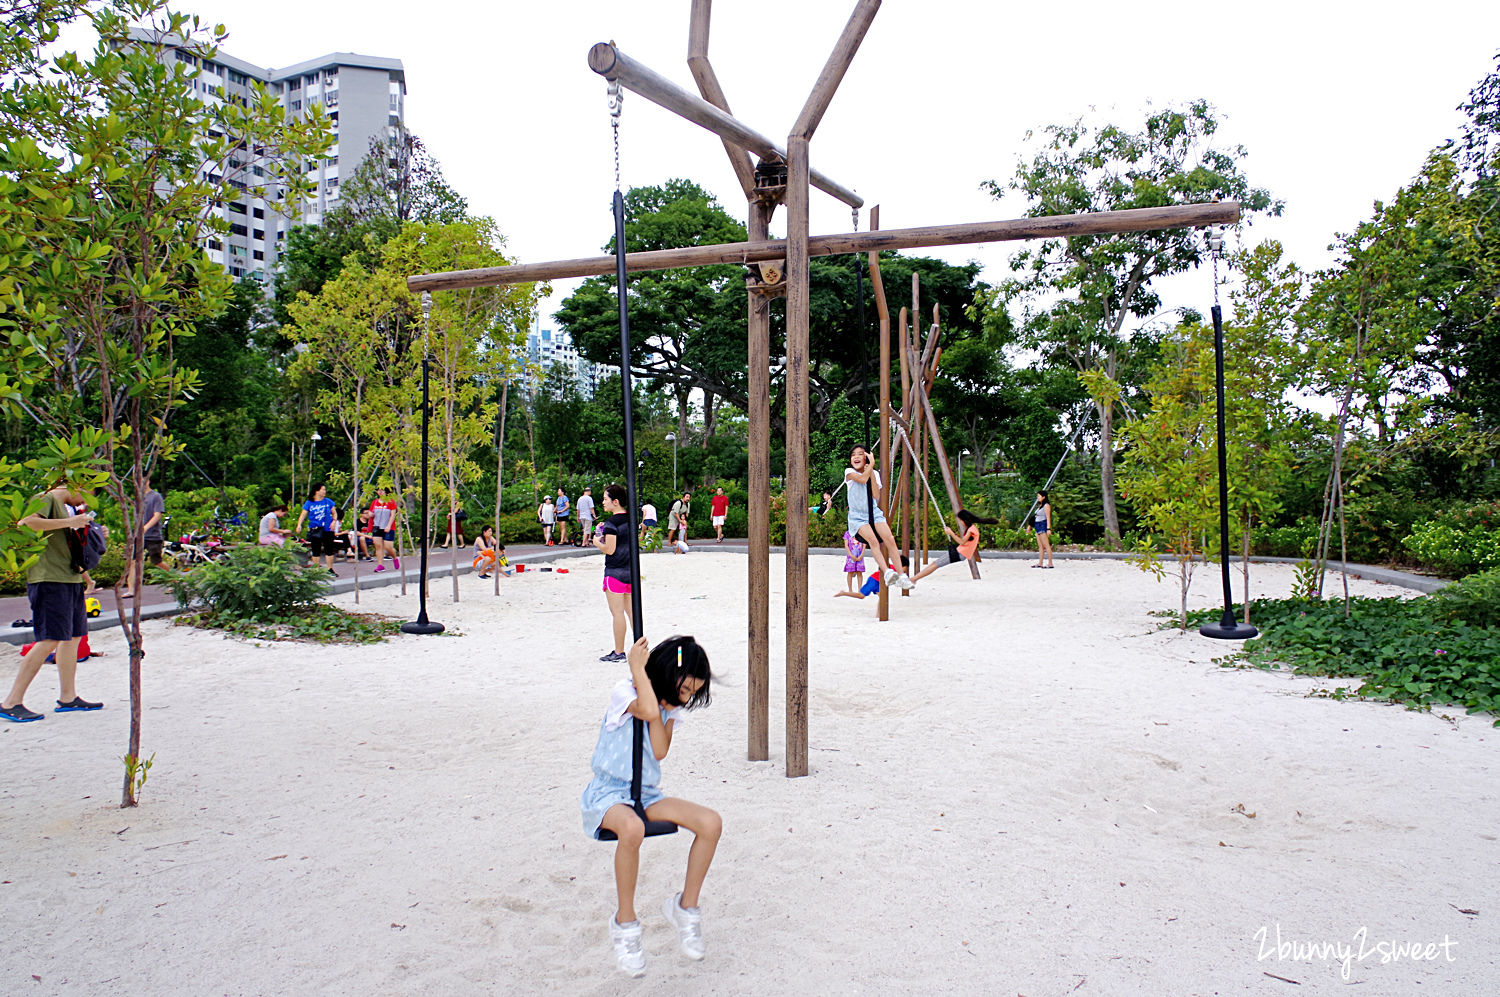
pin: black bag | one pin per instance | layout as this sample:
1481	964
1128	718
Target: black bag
85	547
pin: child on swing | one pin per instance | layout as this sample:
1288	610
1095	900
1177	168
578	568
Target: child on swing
664	682
866	521
963	547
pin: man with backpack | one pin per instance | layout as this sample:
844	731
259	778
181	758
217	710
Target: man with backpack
55	585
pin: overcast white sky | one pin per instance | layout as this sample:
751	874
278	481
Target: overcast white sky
1336	103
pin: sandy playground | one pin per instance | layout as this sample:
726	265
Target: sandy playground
1018	787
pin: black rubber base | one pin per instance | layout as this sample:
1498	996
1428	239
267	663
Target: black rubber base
1232	631
421	628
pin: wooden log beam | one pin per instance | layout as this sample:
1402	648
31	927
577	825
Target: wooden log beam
608	61
875	241
834	69
708	86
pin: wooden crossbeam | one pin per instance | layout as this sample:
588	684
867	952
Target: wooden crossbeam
609	62
760	251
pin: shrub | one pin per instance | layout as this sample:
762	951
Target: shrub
1455	550
255	583
1296	540
1475	600
1399	647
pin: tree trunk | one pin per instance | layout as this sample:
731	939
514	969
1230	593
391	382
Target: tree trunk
1107	472
499	469
682	392
708	418
453	503
354	506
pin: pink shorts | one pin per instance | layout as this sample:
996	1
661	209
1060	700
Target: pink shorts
617	586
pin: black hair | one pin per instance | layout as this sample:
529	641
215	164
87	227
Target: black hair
312	495
1043	494
618	493
499	545
279	507
666	668
969	519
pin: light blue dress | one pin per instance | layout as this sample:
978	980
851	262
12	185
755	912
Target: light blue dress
859	505
612	760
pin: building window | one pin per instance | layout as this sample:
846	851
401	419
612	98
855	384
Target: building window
236	77
295	84
236	208
237	230
259	233
259	212
215	244
258	255
295	105
312	80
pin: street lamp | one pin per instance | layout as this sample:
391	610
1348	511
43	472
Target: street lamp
422	625
961	457
672	439
312	460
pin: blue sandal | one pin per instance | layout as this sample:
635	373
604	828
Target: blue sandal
77	705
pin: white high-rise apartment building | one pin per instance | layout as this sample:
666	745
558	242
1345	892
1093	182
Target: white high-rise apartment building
549	347
364	96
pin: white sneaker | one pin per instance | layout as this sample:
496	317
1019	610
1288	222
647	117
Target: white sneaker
890	576
688	923
629	955
904	583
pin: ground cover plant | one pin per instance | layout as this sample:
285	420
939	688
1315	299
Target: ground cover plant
265	593
1441	649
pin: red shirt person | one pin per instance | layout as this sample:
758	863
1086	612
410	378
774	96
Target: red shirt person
718	509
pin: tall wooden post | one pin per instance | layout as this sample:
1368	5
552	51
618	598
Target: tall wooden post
883	312
798	291
758	687
903	493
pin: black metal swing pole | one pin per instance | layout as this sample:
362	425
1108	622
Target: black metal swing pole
422	625
630	497
1227	628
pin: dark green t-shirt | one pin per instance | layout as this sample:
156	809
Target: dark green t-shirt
55	564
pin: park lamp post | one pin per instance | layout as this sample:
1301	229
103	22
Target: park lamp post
672	439
1228	628
312	461
422	625
961	457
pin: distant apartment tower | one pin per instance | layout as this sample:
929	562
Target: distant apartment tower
550	347
365	97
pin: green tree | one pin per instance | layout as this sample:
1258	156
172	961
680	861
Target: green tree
114	170
470	334
398	181
1105	280
686	326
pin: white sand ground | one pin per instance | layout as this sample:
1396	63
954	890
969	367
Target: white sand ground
1017	787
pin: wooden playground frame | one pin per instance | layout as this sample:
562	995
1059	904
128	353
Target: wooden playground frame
781	268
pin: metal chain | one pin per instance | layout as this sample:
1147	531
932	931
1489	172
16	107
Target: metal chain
854	214
616	99
1214	236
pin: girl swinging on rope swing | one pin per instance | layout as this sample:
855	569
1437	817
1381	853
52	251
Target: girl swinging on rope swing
866	521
